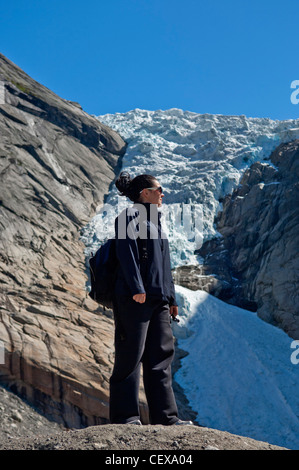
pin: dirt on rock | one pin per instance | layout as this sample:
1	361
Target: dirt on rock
132	437
22	427
20	420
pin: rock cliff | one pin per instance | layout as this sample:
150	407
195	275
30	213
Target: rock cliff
56	165
255	262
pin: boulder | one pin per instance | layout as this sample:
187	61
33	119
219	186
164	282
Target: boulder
259	225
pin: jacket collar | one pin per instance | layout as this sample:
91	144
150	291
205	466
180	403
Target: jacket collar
150	209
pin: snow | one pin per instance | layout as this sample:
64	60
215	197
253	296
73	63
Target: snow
198	159
238	374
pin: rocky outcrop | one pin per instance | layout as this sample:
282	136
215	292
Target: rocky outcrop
56	165
255	262
122	437
23	428
19	419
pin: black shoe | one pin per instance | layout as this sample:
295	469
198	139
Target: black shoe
135	421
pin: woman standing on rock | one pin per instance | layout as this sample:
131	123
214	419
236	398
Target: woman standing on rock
144	301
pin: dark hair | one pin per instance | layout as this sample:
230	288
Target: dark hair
131	187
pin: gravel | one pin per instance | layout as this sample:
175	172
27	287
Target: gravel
24	428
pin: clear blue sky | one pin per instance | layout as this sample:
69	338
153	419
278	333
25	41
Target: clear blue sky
223	57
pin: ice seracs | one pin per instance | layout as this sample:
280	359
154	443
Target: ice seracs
199	158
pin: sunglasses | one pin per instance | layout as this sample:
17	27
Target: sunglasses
154	189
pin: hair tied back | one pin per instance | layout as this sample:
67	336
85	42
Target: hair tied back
123	183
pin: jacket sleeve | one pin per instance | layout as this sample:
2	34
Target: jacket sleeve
128	256
168	274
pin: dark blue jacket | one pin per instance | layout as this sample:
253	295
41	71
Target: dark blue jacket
138	233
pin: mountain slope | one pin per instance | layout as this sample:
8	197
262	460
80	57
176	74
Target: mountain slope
238	373
259	241
230	205
56	165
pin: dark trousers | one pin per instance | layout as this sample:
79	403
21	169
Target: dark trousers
142	335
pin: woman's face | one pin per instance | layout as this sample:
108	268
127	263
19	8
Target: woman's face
153	195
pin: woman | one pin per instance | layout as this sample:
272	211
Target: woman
144	300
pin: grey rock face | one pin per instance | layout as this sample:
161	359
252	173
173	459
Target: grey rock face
56	164
259	224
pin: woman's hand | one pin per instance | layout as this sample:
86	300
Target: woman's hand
174	311
139	298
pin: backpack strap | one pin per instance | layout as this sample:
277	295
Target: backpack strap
142	245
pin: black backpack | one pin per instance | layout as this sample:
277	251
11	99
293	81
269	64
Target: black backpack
103	271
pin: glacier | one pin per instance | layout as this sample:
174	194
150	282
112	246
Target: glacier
238	375
198	159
